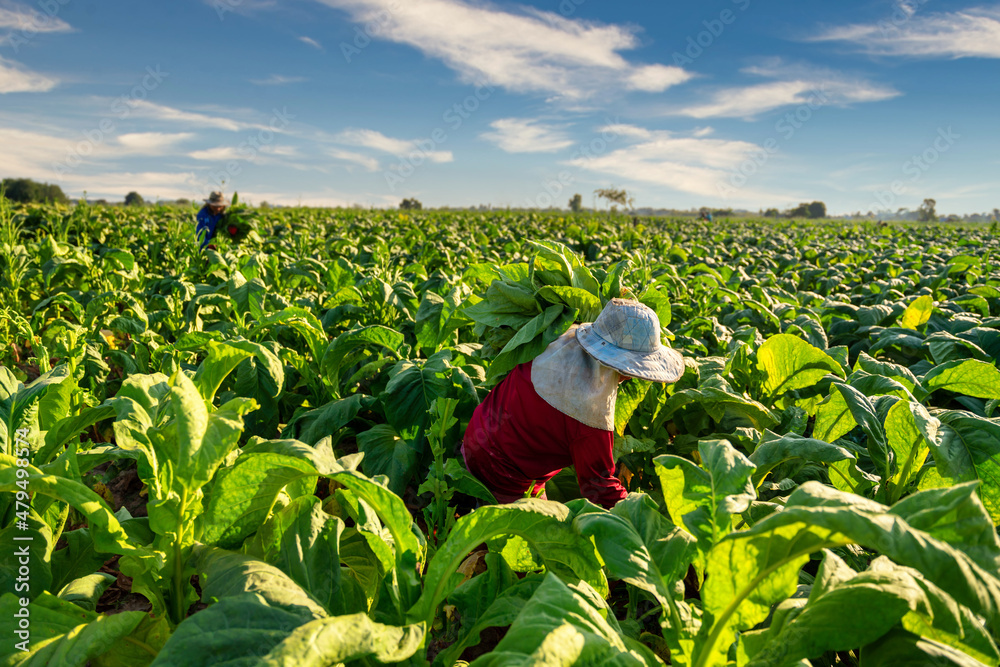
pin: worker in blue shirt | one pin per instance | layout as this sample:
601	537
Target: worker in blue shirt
208	218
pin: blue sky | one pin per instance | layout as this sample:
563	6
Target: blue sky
864	105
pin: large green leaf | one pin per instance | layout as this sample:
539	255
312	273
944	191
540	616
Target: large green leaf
560	625
790	363
236	632
226	574
970	377
547	526
749	571
334	641
909	430
968	449
774	450
703	499
917	313
61	633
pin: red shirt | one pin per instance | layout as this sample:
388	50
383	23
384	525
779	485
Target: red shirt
516	441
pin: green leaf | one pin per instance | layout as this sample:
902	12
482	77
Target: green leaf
638	545
969	377
904	648
313	425
221	361
774	450
388	454
61	632
749	571
377	336
564	625
703	499
909	431
87	590
790	363
969	449
865	415
547	526
334	641
532	339
226	574
917	313
235	632
576	298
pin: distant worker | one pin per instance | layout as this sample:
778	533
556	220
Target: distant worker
706	215
559	409
208	218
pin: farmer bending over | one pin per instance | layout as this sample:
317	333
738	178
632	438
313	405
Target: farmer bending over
208	218
559	409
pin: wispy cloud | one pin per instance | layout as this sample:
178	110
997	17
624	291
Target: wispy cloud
531	51
162	112
525	135
311	42
151	143
19	16
14	78
379	142
277	80
971	33
794	86
366	161
691	164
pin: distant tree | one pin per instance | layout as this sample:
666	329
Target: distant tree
800	211
101	202
996	215
134	199
771	213
614	196
576	203
183	201
263	204
927	211
410	205
953	218
722	213
25	190
817	209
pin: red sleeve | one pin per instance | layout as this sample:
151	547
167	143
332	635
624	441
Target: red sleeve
591	450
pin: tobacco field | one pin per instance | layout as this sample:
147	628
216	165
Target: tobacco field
249	456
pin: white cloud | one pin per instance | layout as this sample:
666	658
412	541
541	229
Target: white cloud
151	143
14	78
311	42
218	154
148	109
400	147
524	135
151	185
796	86
367	162
16	16
689	164
656	78
532	51
971	33
277	80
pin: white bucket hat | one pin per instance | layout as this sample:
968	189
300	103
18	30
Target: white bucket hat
626	337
